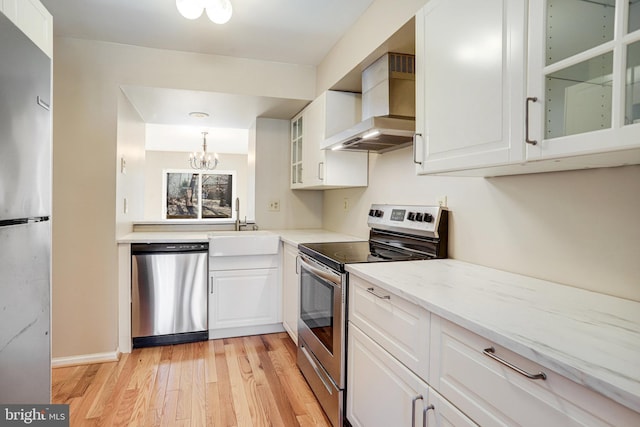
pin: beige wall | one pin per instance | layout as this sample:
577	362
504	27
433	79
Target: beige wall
86	81
298	209
129	164
157	161
579	228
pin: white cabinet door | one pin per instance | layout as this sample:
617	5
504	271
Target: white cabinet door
33	19
383	392
444	414
312	155
380	391
470	84
290	291
240	298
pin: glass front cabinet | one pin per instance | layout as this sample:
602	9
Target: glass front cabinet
564	82
296	150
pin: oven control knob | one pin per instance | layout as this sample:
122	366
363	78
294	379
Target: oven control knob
419	217
427	218
379	213
411	216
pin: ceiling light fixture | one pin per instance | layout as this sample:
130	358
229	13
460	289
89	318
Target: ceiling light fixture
203	160
218	11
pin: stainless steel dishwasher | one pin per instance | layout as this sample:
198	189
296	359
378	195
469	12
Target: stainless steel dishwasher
168	293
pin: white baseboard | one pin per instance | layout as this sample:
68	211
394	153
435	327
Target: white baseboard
85	359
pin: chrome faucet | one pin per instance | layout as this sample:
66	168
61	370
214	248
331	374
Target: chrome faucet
239	224
238	214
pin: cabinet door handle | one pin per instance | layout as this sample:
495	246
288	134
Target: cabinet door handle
424	414
320	175
491	353
373	292
413	409
211	285
526	121
414	148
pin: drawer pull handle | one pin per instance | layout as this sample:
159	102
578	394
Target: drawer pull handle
491	353
424	414
413	409
373	292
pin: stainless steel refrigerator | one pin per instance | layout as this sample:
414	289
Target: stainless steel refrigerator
25	219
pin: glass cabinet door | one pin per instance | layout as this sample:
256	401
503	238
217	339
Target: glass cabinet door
584	76
632	99
579	94
296	151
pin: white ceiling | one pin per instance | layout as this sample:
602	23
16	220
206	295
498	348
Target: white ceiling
292	31
189	138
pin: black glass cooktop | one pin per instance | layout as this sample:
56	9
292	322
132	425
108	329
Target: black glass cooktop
337	254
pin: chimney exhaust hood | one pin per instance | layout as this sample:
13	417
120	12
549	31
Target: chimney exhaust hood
388	108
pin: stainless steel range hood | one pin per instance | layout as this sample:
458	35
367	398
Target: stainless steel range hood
388	108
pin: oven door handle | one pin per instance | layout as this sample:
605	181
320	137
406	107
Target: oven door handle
315	367
329	276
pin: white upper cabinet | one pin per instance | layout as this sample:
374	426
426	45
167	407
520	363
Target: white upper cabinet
33	19
469	84
315	168
506	89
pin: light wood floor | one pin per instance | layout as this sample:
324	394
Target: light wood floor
249	381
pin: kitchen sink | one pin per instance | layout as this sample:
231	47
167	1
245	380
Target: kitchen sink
240	243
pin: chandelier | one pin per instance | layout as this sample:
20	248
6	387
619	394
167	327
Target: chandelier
218	11
203	160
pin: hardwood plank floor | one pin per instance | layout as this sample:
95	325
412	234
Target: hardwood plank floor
234	382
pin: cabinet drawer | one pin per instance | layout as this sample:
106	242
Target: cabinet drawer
493	394
399	326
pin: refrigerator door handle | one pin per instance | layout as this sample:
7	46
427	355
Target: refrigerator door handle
20	221
44	104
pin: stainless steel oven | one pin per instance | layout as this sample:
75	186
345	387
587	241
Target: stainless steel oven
397	233
321	333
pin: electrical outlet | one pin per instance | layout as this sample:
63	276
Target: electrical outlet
442	201
274	205
123	166
345	204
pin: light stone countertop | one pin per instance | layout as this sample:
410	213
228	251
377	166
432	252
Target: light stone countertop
292	237
295	237
590	338
165	237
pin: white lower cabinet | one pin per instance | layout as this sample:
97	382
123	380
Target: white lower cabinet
399	326
290	292
243	302
401	359
383	392
493	394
